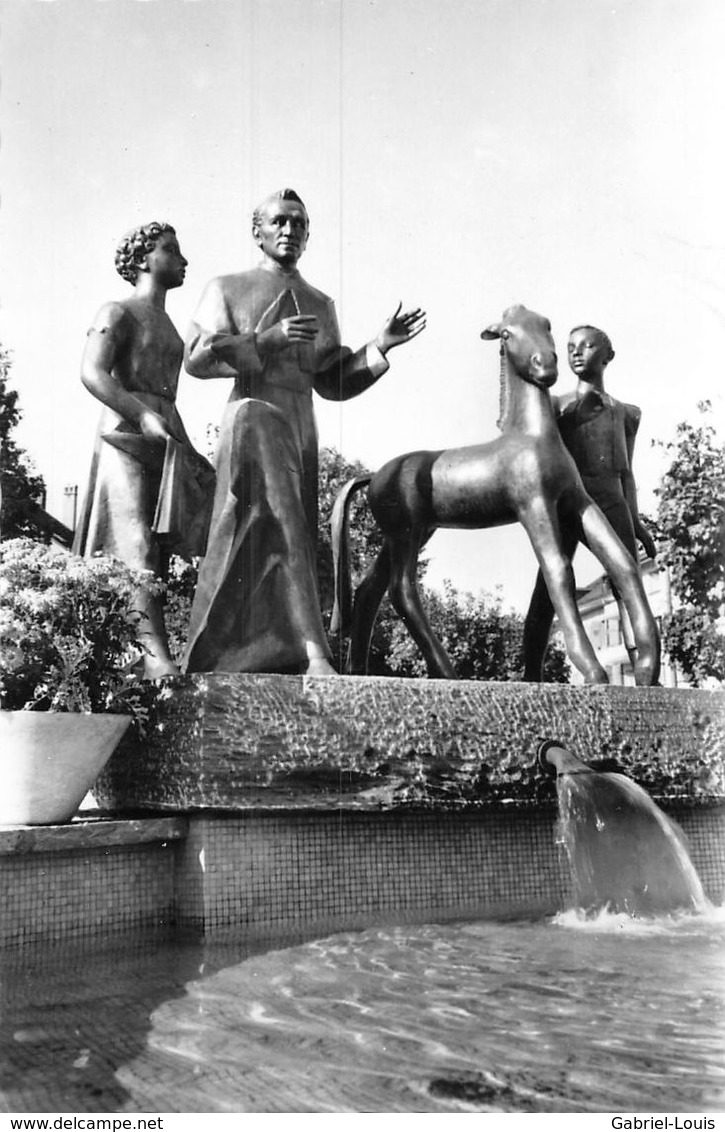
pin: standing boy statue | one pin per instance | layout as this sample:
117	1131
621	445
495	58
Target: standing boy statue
256	607
143	498
599	432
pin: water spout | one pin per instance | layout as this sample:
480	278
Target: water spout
624	853
555	759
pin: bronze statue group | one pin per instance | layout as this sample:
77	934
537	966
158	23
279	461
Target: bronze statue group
252	518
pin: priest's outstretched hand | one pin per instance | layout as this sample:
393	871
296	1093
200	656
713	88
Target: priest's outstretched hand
400	328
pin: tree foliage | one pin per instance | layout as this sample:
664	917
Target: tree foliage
365	542
365	539
181	582
21	485
691	533
484	641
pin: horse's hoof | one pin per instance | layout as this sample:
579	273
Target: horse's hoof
156	669
646	677
597	676
319	666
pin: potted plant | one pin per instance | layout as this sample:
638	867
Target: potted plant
69	636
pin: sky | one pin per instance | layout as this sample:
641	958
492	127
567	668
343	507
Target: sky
458	155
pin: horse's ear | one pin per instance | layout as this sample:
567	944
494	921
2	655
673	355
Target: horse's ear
492	331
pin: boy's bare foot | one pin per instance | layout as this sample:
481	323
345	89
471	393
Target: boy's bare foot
319	666
156	667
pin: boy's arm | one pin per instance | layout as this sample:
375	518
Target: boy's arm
632	418
107	340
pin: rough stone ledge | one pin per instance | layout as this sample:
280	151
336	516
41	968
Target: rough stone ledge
238	741
89	833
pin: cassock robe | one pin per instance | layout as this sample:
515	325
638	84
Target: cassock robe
256	607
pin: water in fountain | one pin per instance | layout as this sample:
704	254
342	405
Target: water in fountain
624	853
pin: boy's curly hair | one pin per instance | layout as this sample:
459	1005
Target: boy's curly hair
136	245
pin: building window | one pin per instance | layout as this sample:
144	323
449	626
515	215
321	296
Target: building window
612	632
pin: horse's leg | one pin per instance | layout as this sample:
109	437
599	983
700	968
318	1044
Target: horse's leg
537	627
365	608
542	526
624	573
539	618
406	602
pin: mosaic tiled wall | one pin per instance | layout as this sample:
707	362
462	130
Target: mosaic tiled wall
77	882
281	873
71	895
704	828
272	873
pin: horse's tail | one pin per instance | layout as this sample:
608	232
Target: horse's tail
340	525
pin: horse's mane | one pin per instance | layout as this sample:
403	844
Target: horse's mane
503	390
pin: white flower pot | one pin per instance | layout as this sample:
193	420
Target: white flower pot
49	760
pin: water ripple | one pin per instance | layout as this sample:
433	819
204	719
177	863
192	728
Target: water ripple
484	1017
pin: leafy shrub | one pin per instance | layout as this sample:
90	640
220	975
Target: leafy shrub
69	631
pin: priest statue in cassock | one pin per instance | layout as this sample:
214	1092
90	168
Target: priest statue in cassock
256	607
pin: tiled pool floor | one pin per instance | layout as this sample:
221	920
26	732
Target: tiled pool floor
73	1017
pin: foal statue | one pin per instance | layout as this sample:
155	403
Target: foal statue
525	475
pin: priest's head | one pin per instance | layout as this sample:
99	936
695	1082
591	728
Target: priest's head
281	227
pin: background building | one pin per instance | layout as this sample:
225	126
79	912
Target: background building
600	615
